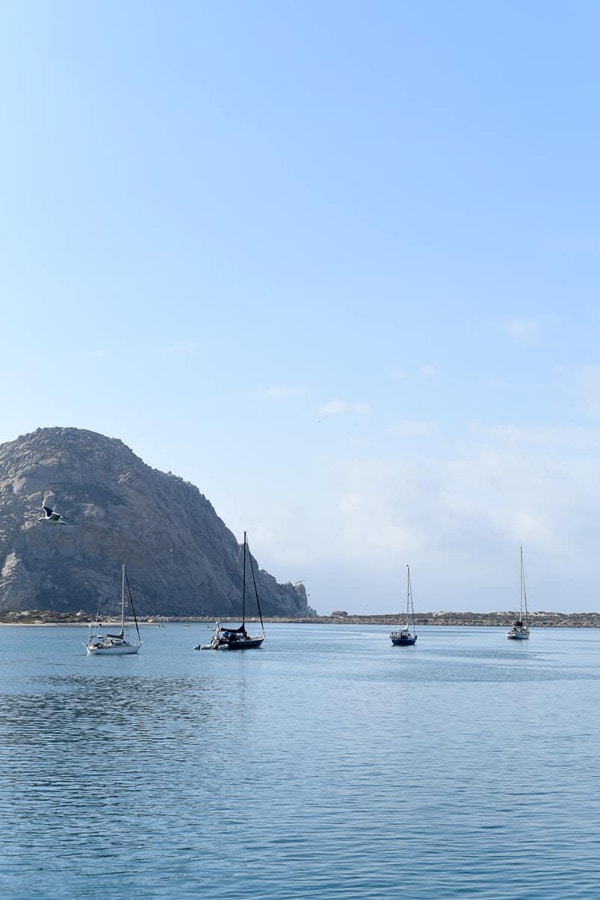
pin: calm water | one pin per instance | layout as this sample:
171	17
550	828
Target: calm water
327	764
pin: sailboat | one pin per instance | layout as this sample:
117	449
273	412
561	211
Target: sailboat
103	643
520	630
226	638
404	637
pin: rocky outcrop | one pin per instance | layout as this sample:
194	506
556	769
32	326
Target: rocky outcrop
181	558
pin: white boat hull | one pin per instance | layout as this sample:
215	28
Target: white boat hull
115	650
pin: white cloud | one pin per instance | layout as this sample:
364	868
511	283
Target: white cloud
341	407
574	438
587	388
415	428
523	331
461	519
276	392
457	515
349	504
347	521
424	372
181	348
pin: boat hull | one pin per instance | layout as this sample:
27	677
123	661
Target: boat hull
247	644
403	640
517	636
221	643
121	650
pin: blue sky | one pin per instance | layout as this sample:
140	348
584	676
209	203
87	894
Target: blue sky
336	263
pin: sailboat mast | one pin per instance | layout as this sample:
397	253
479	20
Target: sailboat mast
523	588
122	598
410	610
244	584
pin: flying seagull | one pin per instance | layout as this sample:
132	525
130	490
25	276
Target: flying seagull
53	517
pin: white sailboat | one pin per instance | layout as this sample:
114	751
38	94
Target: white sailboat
520	630
406	636
105	644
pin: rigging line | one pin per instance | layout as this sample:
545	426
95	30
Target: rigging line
132	606
256	591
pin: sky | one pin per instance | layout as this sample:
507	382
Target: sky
335	263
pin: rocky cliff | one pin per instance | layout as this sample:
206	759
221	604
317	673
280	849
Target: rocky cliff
181	559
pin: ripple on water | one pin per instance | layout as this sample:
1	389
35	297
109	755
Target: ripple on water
325	765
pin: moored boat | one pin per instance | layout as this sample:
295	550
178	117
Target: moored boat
406	635
230	638
520	629
104	643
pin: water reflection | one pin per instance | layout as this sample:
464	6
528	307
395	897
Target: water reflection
69	707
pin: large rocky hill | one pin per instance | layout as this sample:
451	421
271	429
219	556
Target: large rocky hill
180	557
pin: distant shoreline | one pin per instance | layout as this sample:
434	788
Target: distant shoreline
462	619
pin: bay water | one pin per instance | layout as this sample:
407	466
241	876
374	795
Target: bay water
327	764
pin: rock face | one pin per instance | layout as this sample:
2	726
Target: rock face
181	559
